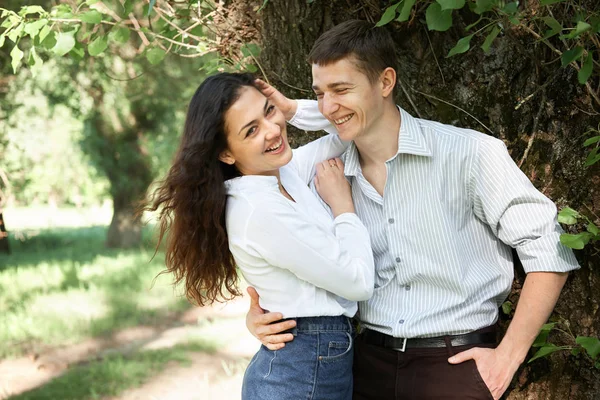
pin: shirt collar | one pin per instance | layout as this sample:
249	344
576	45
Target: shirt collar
410	141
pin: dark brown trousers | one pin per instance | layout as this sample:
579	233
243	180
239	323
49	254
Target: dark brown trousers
416	374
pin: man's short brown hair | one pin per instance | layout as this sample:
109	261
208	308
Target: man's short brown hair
371	47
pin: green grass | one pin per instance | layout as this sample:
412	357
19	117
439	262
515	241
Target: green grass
113	374
61	285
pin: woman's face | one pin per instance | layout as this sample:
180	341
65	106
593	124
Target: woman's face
256	135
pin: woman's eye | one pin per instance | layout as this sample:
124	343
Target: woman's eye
270	109
251	131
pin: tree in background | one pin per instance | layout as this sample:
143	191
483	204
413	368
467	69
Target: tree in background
527	73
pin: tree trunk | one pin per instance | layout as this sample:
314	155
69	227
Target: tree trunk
4	244
544	136
125	230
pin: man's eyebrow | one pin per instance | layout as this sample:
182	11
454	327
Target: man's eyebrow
254	121
334	85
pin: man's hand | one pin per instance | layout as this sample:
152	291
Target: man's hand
496	368
288	107
260	324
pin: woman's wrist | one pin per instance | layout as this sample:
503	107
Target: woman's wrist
339	209
291	111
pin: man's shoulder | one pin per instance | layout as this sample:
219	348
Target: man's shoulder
455	136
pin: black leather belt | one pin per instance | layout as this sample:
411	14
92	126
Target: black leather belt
401	344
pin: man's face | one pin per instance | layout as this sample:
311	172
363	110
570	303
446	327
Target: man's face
347	98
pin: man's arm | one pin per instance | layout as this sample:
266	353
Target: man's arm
261	325
538	298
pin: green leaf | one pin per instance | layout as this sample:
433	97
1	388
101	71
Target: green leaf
586	69
577	241
119	34
78	52
511	8
26	10
548	2
250	49
489	39
507	307
64	43
592	158
554	25
578	30
591	141
33	28
91	17
451	4
571	55
127	7
462	46
482	6
16	33
45	31
2	37
151	6
593	229
542	337
155	55
568	216
16	55
438	19
590	344
546	350
251	68
35	61
407	7
388	15
97	46
50	41
576	351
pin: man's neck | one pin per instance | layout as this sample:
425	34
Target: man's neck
380	143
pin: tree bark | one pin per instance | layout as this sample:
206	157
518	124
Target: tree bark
544	136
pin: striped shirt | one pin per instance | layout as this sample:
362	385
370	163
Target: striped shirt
454	204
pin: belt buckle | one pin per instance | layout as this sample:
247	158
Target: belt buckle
403	348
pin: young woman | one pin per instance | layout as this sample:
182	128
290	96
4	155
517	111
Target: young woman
238	195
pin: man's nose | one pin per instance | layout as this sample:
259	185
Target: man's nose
330	106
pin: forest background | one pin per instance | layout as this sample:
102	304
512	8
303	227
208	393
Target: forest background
93	95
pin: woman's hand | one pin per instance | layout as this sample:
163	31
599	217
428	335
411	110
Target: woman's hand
333	187
288	107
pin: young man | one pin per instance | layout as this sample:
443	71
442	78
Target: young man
443	206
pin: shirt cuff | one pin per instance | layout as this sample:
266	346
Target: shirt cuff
350	218
547	254
300	110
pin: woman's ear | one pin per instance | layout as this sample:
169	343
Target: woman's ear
226	157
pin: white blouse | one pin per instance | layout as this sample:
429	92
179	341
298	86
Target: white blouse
301	261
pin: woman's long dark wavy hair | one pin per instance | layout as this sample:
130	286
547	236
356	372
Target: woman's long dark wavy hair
191	199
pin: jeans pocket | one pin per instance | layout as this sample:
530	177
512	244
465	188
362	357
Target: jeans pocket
336	350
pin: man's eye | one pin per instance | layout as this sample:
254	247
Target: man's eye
319	95
341	91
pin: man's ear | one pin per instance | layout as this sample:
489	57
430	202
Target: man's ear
388	81
226	157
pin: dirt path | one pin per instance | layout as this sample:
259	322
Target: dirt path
215	376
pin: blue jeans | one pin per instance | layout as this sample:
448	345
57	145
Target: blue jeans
316	365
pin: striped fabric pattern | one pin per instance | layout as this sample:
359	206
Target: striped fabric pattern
454	204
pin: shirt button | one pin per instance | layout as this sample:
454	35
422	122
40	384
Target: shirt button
391	220
407	287
398	259
401	321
